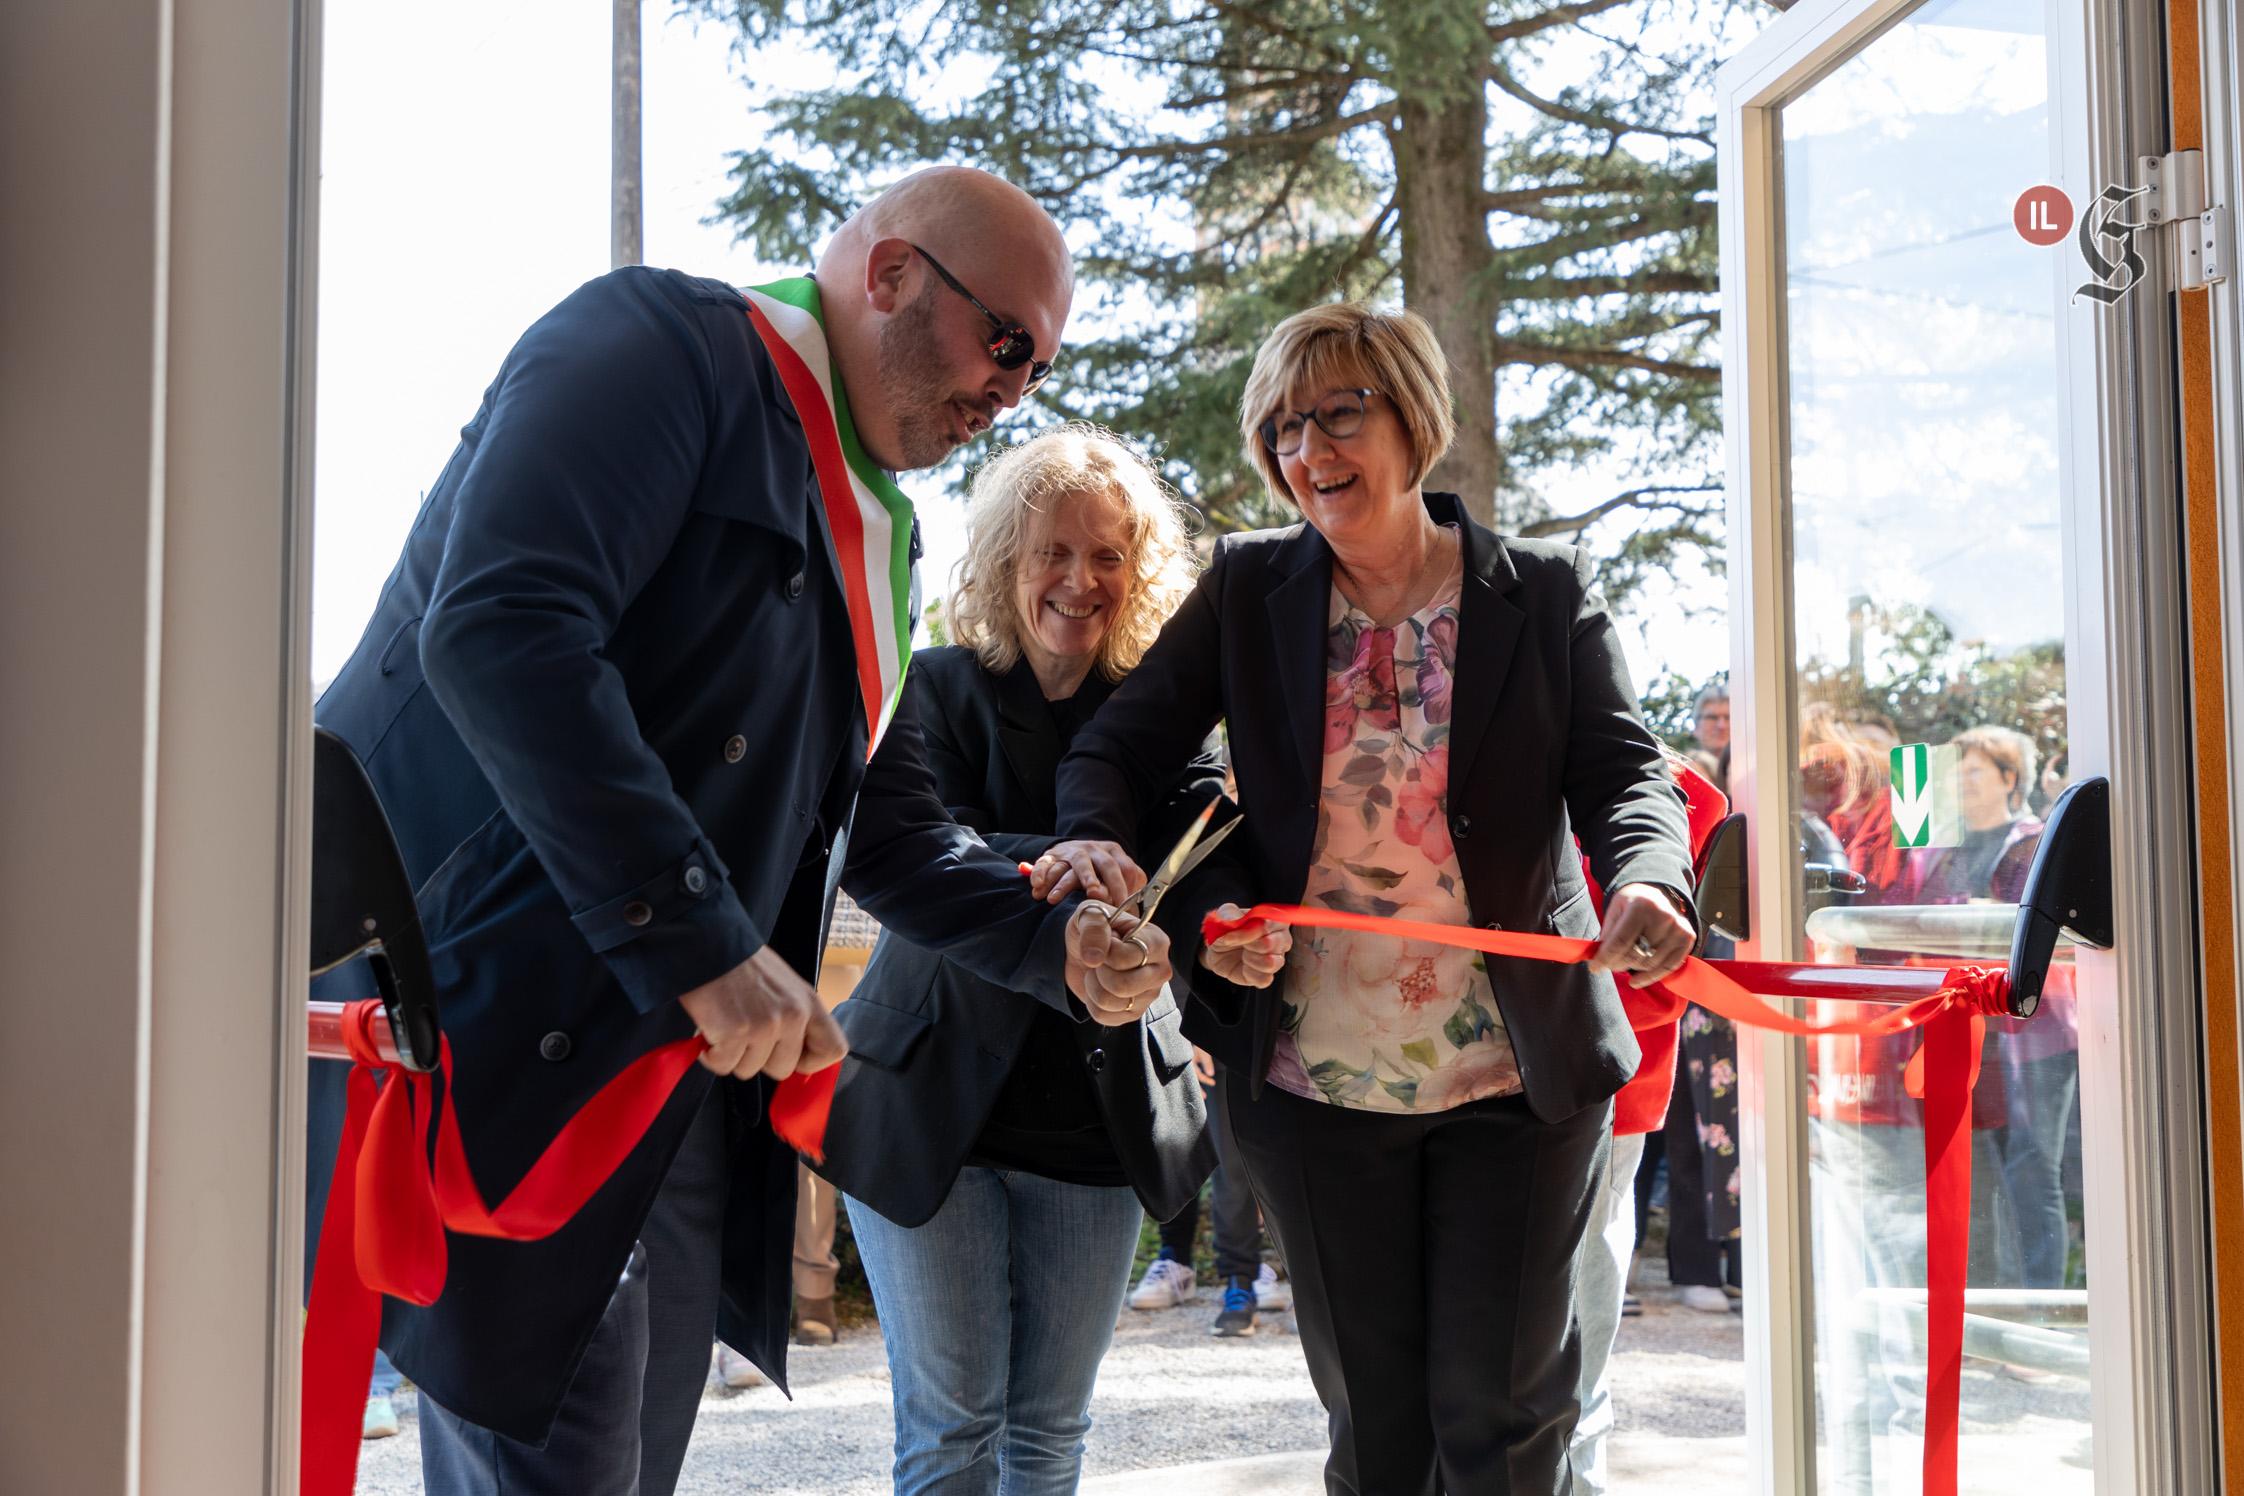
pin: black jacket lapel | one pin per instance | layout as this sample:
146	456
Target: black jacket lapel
1488	630
1299	606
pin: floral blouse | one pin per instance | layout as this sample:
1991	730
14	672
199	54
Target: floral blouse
1371	1021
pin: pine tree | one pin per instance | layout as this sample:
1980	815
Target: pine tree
1535	179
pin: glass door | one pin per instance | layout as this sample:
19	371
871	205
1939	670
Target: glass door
1920	421
1929	722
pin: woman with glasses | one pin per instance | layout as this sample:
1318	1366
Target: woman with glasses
994	1146
1423	717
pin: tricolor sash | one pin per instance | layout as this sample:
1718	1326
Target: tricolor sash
867	515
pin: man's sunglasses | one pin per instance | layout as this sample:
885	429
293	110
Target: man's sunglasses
1010	344
1340	414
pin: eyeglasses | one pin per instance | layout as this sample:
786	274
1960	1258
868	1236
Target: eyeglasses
1010	344
1339	414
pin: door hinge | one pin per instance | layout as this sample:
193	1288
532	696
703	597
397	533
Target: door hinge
2176	210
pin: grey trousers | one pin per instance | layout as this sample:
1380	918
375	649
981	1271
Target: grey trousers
625	1422
1600	1283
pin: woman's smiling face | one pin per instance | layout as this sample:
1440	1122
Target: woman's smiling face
1353	488
1073	576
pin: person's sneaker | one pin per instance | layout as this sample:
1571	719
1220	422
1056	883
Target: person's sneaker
735	1370
1705	1298
1237	1317
814	1321
1167	1283
381	1418
1270	1295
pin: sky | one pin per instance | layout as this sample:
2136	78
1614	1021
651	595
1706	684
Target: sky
464	190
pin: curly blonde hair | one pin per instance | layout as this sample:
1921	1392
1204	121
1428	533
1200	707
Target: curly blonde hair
1076	461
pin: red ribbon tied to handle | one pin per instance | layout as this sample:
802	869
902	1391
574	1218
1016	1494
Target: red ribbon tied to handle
387	1212
1942	1072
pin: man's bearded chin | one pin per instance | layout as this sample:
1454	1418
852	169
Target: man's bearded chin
913	388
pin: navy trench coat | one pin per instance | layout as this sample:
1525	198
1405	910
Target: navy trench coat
609	700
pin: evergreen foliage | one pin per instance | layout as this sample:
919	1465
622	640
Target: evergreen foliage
1535	178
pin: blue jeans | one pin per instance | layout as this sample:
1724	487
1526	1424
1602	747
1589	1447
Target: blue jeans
996	1313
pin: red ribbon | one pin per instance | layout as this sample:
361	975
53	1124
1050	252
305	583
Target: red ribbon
387	1213
1943	1072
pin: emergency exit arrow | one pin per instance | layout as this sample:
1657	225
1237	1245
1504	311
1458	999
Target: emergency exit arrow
1910	767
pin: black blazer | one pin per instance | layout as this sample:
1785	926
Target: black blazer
609	700
931	1044
1546	744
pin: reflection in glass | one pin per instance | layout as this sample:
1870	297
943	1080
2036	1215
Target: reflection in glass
1928	610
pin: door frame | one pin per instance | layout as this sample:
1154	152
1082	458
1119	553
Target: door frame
2126	656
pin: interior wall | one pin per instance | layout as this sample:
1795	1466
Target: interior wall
147	606
82	147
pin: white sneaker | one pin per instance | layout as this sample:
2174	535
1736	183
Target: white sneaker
381	1419
1270	1295
1706	1298
1166	1284
735	1370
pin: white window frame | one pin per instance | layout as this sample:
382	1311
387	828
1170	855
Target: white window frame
2125	660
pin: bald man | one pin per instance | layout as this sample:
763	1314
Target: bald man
617	698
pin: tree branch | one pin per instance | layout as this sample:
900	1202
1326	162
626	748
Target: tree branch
1260	139
1373	232
1589	119
1258	17
1564	15
1642	226
1573	287
1635	498
1515	351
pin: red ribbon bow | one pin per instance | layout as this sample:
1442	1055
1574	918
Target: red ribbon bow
1942	1072
387	1212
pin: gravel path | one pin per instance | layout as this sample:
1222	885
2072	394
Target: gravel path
1240	1413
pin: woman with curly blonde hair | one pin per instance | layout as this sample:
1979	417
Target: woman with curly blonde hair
1083	480
993	1146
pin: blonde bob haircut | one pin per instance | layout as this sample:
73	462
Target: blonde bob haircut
1348	345
1076	462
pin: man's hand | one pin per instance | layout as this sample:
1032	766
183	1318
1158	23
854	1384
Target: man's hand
1115	964
1643	933
1250	955
760	1018
1101	869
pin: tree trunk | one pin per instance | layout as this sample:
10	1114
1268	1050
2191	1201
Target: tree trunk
1440	161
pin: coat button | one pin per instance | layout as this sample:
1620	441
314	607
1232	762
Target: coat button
1494	924
794	586
696	881
554	1046
736	748
1096	1060
1461	827
638	912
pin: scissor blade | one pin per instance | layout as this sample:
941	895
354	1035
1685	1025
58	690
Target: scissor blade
1173	865
1182	859
1208	843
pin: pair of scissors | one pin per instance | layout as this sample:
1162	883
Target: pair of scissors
1189	852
